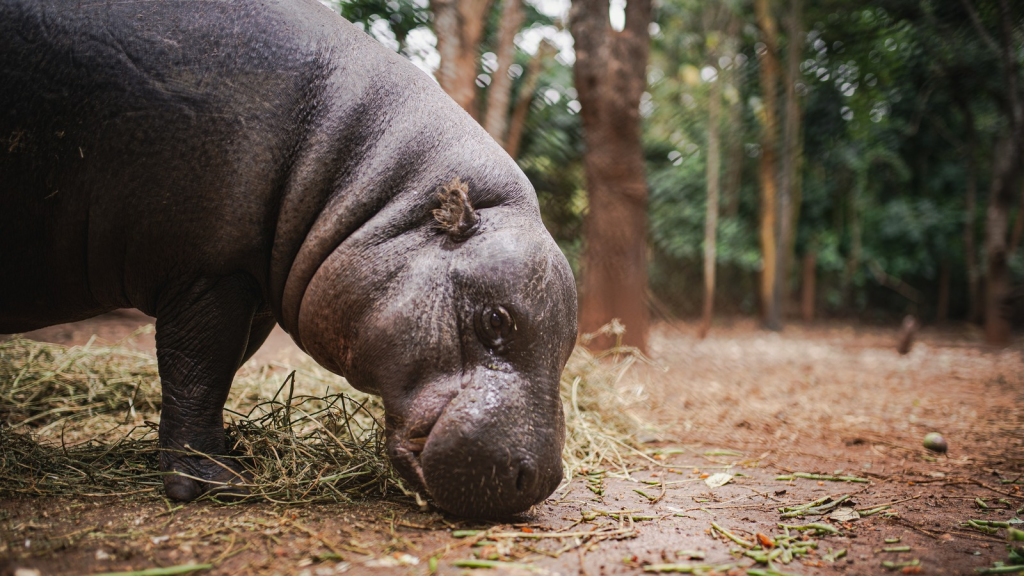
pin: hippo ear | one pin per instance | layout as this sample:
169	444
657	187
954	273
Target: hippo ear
456	215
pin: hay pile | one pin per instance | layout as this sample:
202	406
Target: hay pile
81	421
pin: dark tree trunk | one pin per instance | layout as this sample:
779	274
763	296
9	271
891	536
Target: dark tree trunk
971	203
807	286
942	307
1018	228
610	75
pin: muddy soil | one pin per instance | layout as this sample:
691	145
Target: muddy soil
822	399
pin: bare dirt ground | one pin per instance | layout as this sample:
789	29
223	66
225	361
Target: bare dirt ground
823	399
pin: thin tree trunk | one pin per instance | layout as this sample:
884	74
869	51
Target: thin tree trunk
795	202
970	208
942	307
610	74
524	98
807	286
496	119
711	219
790	164
733	177
854	258
767	171
459	26
1018	228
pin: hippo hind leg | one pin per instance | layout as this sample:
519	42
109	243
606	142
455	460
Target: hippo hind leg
203	334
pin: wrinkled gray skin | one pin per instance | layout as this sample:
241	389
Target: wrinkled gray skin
224	166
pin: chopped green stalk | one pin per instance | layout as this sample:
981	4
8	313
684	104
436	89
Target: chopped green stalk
816	510
833	556
981	503
896	549
732	536
588	516
692	554
492	564
689	568
830	478
183	569
982	528
898	565
682	568
759	557
817	502
645	494
892	540
767	572
992	523
823	528
465	533
1001	569
873	511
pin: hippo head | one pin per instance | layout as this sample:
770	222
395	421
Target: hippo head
459	310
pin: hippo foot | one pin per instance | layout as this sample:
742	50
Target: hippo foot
220	479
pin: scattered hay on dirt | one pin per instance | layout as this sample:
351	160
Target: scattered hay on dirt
601	419
80	421
42	385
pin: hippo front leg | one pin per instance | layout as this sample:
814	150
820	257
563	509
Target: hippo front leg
203	334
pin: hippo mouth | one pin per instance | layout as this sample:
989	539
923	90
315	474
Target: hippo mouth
466	461
404	449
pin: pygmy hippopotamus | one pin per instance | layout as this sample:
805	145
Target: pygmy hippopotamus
223	166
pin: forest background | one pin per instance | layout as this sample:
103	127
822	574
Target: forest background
756	157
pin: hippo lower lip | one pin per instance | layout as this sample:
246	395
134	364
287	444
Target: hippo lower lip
405	447
416	445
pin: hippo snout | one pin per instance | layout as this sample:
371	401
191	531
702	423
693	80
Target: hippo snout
491	453
485	475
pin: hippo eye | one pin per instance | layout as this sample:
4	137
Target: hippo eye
495	326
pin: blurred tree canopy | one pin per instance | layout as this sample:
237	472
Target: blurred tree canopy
907	188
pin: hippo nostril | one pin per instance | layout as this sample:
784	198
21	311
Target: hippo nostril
525	477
